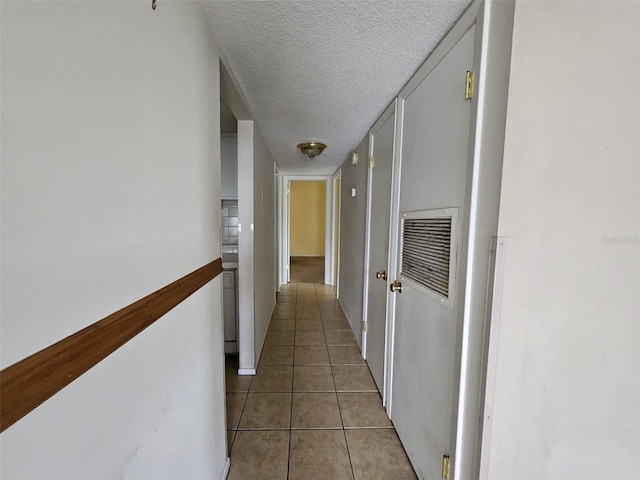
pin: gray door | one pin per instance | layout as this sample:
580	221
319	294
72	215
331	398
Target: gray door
435	147
380	207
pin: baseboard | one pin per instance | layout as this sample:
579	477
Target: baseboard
225	472
246	371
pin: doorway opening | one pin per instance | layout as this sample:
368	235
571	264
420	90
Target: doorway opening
306	229
307	219
236	199
229	225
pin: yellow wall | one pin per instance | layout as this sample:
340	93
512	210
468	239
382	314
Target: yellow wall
307	218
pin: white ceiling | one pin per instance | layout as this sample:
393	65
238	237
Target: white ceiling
325	70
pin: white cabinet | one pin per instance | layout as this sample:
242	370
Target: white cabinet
230	310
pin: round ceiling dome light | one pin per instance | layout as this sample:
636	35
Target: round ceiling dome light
311	149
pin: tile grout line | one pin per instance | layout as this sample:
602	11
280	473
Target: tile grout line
244	405
291	396
293	362
344	433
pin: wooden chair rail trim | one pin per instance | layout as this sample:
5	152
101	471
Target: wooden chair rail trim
30	382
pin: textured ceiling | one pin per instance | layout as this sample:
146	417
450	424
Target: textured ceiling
325	70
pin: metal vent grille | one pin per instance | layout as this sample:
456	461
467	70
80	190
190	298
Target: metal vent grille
426	252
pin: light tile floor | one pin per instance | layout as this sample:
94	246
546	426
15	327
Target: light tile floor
313	410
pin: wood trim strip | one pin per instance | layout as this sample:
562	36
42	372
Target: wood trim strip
30	382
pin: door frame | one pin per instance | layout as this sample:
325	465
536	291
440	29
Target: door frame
284	229
276	233
336	205
380	122
394	221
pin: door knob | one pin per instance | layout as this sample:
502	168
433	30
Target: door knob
396	287
382	275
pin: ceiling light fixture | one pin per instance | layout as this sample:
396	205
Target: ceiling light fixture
311	149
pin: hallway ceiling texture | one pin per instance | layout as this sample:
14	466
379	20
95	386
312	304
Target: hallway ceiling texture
325	70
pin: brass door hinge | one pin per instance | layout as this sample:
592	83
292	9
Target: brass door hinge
372	162
445	467
468	89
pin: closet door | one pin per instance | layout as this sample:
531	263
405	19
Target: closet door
379	208
430	269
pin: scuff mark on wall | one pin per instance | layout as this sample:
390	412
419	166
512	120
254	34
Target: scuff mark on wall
123	467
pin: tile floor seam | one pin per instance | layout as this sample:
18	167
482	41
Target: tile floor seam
293	371
264	429
387	427
237	426
344	433
244	404
304	429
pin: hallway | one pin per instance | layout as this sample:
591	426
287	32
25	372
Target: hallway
312	411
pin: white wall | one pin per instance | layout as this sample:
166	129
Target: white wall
256	253
352	236
246	270
264	235
110	190
229	166
567	387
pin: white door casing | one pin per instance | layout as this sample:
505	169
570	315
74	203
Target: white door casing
434	175
335	246
381	143
285	217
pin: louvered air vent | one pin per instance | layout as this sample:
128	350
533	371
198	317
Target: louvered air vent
428	251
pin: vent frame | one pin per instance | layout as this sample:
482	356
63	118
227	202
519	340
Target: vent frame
451	213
